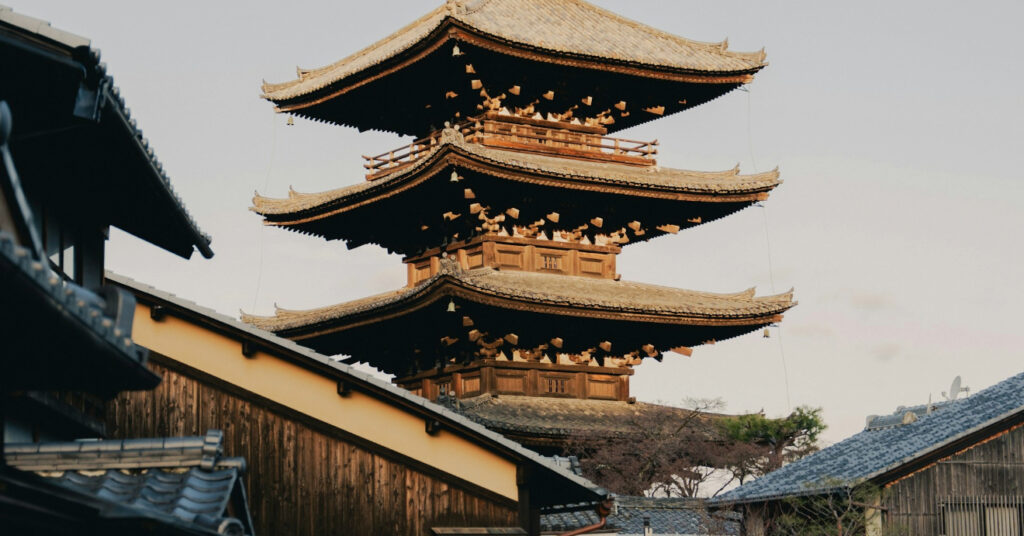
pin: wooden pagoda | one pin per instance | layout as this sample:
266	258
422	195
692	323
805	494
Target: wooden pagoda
513	201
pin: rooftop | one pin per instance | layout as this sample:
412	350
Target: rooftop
667	516
93	353
527	185
540	289
105	165
186	479
570	39
881	449
546	422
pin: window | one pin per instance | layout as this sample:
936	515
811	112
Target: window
988	516
551	262
555	385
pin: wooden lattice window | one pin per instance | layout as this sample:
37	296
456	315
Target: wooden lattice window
555	385
551	262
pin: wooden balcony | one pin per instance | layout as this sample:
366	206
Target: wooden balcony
539	136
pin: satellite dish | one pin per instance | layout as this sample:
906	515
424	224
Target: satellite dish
954	390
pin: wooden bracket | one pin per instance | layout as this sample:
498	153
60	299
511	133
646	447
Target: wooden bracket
158	312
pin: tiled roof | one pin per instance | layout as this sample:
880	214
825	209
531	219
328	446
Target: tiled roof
561	27
184	477
371	383
560	417
667	516
574	174
556	290
114	110
44	300
876	451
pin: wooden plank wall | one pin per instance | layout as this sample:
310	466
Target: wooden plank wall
993	470
303	476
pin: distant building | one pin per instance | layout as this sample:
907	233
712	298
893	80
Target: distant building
953	469
511	207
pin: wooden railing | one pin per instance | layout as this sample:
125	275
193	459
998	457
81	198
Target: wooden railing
534	136
401	157
561	141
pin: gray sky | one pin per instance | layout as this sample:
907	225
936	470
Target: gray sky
897	126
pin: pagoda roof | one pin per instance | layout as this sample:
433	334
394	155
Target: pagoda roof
565	33
547	421
535	307
655	186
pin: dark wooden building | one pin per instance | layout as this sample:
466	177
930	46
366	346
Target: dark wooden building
514	201
73	163
951	469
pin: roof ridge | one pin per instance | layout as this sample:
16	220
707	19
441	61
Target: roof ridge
720	47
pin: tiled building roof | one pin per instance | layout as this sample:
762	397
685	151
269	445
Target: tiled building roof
880	449
560	27
93	351
641	182
588	295
184	479
563	417
667	516
149	207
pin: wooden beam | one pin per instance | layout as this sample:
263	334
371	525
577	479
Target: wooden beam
684	350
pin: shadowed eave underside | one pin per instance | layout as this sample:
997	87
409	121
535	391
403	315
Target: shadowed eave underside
545	293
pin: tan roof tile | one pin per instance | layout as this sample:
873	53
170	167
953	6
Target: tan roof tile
566	27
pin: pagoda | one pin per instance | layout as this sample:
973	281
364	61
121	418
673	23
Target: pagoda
512	203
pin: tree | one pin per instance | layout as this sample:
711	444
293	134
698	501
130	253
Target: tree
784	440
670	452
846	510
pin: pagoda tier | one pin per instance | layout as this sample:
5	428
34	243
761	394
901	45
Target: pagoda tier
554	57
546	180
550	425
460	316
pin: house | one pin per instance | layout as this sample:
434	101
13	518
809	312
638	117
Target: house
953	469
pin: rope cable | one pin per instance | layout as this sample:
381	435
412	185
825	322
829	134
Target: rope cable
768	245
266	185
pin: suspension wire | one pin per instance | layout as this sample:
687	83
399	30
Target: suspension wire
768	245
266	186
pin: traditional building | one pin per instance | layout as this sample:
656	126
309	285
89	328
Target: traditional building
332	450
513	202
73	163
951	468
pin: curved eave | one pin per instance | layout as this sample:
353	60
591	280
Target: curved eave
301	324
305	208
315	87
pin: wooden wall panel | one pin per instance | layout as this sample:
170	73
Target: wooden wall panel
304	477
991	472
